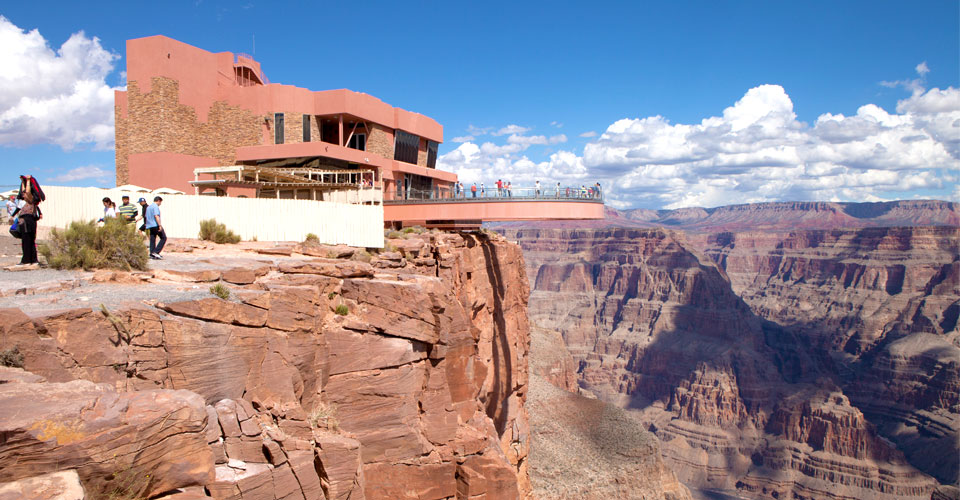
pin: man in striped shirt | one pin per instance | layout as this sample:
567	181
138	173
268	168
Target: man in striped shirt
127	210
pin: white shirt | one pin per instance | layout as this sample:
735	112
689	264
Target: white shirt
109	212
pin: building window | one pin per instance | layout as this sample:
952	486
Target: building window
278	128
432	154
405	147
306	128
358	141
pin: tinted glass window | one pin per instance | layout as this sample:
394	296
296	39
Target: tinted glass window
358	141
278	128
432	154
306	128
405	147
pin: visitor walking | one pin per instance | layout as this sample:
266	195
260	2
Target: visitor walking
558	190
11	207
509	189
473	190
483	192
108	210
156	228
599	195
499	188
537	189
143	213
456	189
127	210
29	213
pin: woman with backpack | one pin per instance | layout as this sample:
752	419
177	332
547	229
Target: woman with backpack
29	214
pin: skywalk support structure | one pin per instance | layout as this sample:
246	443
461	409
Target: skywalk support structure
213	124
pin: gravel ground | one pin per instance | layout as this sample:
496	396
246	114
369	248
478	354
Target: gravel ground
113	295
46	295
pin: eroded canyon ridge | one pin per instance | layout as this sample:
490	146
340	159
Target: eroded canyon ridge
400	378
789	363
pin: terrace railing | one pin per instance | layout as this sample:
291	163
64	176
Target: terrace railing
452	195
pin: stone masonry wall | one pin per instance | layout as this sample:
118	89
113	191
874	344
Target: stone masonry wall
156	121
380	141
120	147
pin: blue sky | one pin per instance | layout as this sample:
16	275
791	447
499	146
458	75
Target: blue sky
668	104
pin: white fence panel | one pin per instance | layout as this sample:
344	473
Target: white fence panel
265	219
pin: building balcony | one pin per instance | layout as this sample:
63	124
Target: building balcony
442	207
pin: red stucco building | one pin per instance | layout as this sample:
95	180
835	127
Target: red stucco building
211	123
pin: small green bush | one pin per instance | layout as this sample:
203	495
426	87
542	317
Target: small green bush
312	239
331	295
362	256
393	235
323	416
342	310
11	357
211	230
114	245
220	291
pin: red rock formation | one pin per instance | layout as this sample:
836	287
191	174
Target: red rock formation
417	392
883	304
656	327
583	447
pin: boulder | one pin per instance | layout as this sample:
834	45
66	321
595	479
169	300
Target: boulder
329	267
63	485
148	441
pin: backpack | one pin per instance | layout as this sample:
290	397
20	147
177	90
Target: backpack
38	194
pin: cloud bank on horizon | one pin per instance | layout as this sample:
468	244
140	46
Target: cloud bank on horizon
756	151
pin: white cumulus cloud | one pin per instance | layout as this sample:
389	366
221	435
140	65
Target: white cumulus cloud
80	173
756	150
511	129
54	96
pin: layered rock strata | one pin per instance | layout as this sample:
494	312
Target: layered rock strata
417	391
883	304
654	326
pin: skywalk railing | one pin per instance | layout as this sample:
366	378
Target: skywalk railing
467	195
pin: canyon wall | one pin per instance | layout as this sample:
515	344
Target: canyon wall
740	400
882	303
404	377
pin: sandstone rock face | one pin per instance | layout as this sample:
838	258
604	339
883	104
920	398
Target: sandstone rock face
882	304
739	401
583	447
417	392
145	442
54	486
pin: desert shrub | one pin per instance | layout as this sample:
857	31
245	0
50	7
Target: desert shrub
211	230
362	256
414	230
312	238
114	245
11	357
323	416
396	235
331	295
342	310
127	484
220	291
